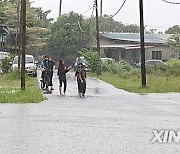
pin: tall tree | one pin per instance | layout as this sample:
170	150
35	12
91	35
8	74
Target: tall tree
37	26
67	37
173	30
174	43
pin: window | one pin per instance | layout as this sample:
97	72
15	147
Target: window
157	55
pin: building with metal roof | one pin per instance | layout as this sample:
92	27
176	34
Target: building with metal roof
133	37
126	46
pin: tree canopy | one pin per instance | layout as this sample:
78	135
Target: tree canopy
173	30
37	25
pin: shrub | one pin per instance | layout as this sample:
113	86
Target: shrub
5	65
173	67
115	67
93	60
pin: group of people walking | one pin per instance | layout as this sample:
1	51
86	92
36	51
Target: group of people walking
48	67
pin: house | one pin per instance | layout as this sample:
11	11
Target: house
126	46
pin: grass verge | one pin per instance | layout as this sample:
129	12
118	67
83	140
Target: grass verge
10	91
132	83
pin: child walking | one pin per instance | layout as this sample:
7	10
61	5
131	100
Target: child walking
82	78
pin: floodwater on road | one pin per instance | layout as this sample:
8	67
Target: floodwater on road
106	121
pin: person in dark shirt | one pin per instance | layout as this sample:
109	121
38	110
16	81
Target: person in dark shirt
62	70
43	67
51	66
82	78
77	76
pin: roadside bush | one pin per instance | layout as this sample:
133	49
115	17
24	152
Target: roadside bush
173	67
5	65
156	69
115	67
93	60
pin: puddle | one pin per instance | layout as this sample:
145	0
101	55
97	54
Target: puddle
94	90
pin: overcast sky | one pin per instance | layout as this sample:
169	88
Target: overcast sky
157	14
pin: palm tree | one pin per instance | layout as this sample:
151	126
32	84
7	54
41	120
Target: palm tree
60	4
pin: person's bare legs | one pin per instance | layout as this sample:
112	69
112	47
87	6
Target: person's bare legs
60	91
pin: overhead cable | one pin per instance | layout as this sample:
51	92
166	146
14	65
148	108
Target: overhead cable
119	9
171	2
79	23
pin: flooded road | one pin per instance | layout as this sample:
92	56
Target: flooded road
106	121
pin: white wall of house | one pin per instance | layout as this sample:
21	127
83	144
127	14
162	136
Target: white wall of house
167	53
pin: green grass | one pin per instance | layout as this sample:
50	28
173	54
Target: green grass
10	91
132	83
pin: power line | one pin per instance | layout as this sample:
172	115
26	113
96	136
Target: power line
119	9
93	10
79	24
79	19
90	7
87	10
171	2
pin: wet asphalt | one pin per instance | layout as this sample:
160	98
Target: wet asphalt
106	121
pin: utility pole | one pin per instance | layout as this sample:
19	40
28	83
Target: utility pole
17	33
80	21
60	7
23	41
101	5
97	28
98	71
143	67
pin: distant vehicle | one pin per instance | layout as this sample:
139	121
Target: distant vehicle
152	63
83	61
30	65
107	60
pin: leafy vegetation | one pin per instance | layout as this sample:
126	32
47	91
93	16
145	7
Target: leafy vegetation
5	66
93	60
132	83
37	26
173	30
160	79
67	37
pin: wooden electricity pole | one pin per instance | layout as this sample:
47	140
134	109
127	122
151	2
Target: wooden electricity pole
60	7
17	33
143	67
23	42
97	28
101	5
98	71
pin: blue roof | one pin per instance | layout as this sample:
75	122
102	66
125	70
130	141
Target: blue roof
134	37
